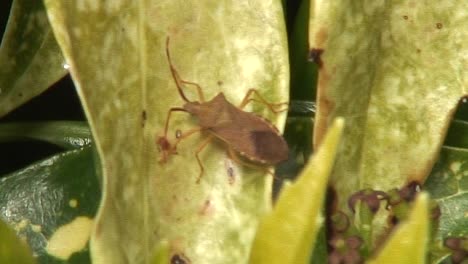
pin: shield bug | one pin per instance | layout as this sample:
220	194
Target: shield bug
244	133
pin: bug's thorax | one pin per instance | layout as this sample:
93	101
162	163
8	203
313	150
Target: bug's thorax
193	108
210	114
248	134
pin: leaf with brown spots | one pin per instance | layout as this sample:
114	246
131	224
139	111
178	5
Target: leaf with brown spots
397	101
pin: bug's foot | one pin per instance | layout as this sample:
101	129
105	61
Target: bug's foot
166	148
199	178
163	144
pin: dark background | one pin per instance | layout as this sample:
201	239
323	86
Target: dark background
60	102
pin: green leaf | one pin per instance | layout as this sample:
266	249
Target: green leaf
448	185
51	203
66	134
457	135
30	59
116	52
288	234
393	70
298	134
408	243
12	249
303	72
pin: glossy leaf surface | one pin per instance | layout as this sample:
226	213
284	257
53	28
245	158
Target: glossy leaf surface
448	185
52	203
66	134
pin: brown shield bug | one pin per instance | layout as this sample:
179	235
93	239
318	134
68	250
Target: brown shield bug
244	133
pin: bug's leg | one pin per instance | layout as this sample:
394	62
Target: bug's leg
187	134
163	143
233	155
197	152
173	109
198	87
262	100
178	80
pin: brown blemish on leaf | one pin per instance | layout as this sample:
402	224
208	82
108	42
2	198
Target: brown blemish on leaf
325	105
321	37
207	208
439	25
179	258
231	175
405	17
408	193
178	133
143	118
230	172
315	56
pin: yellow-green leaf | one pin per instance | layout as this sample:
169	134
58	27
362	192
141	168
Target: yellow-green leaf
287	235
117	56
396	71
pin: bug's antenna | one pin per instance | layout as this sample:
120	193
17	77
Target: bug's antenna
174	73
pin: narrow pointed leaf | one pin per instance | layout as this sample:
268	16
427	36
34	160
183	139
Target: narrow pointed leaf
30	59
162	254
66	134
408	243
287	235
117	57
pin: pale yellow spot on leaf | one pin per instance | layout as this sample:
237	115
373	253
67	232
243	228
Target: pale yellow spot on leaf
21	225
455	166
70	238
36	228
73	203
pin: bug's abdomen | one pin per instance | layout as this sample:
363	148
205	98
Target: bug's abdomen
269	147
260	146
253	137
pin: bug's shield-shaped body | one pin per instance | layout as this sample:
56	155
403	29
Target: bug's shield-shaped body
248	134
